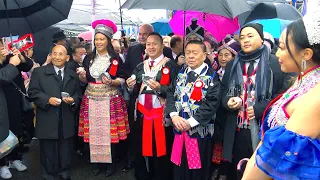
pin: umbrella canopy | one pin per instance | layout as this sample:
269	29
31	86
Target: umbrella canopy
30	16
218	26
269	11
43	43
162	26
273	26
228	8
86	35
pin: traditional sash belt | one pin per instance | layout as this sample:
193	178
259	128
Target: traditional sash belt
192	151
153	117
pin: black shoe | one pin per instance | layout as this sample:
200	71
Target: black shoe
127	168
216	174
111	169
65	177
96	170
110	172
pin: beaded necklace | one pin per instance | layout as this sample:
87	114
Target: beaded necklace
278	115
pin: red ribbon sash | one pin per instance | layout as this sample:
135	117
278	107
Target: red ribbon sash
150	117
114	67
197	91
165	78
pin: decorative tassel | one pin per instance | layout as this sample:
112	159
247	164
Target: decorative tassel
197	91
165	78
114	67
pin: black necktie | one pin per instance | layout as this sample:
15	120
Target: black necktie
192	76
60	75
250	68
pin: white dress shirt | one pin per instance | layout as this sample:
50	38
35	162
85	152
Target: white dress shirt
56	69
174	55
255	64
155	101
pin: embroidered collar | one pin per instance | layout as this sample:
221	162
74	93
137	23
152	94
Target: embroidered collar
197	70
157	60
99	55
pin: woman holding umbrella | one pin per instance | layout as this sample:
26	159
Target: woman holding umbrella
290	137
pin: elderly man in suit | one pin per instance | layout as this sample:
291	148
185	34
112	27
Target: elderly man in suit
56	92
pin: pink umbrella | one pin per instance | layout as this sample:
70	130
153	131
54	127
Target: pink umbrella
218	26
87	36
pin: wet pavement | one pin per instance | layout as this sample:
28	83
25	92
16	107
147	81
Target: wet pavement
81	170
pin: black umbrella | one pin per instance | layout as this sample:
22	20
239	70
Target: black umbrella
227	8
19	17
269	11
43	43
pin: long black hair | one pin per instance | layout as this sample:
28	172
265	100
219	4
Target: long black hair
299	38
112	53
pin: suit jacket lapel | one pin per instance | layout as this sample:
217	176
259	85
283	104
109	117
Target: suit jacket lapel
50	71
67	76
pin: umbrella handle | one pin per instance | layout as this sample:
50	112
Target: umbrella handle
241	163
184	31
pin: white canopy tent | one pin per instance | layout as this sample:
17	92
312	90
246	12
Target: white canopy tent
83	12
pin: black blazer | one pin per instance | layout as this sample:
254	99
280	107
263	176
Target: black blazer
13	97
72	65
45	84
7	74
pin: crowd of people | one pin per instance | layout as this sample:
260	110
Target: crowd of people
180	108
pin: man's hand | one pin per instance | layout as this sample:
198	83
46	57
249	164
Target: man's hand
15	60
82	74
234	104
154	85
15	52
68	100
180	123
131	82
53	101
48	60
250	112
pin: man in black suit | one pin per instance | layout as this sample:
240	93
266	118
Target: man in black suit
176	44
55	113
78	54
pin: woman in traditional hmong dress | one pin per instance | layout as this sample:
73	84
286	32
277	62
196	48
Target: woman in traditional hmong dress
103	114
227	50
290	136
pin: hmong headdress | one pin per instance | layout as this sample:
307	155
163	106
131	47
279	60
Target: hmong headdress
312	22
229	43
106	27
